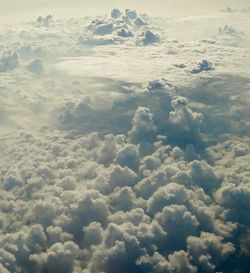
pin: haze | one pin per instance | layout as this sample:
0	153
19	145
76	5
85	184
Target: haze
21	10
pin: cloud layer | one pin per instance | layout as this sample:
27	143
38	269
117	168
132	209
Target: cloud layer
123	149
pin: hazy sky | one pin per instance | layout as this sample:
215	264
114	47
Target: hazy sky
25	9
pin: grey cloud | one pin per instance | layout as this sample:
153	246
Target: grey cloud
210	245
36	66
8	61
148	37
143	126
129	156
99	27
180	263
93	234
44	21
229	30
118	29
185	123
202	174
3	269
178	223
58	257
204	65
167	195
131	14
116	13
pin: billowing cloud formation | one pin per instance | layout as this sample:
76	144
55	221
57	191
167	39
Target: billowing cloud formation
111	175
142	212
122	27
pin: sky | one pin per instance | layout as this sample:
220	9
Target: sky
19	10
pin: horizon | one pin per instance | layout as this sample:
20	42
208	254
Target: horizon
24	10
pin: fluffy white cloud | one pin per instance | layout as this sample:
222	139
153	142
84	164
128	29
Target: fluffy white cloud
124	160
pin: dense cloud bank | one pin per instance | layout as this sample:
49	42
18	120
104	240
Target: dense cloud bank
105	175
97	204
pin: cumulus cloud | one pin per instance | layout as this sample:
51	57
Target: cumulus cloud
185	123
179	262
126	212
215	250
121	27
178	223
44	21
116	13
148	37
58	257
99	27
135	219
204	65
143	126
122	175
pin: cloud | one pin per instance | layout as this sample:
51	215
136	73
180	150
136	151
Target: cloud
204	65
184	123
99	27
58	257
116	215
131	14
228	30
8	61
36	66
148	38
179	262
44	21
116	13
129	156
3	269
93	234
202	174
121	27
143	126
124	33
178	223
210	246
132	165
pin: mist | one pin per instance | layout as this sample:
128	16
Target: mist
23	10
